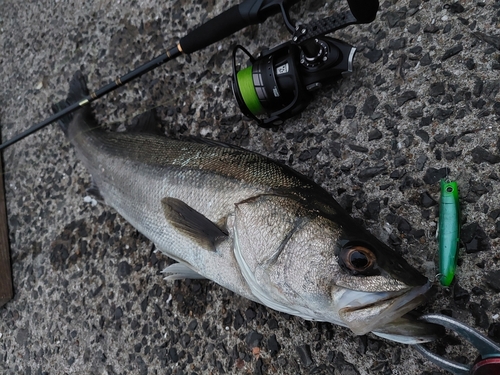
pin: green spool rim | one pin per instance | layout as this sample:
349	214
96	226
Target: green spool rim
247	90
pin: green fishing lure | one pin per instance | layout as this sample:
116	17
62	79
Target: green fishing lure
449	231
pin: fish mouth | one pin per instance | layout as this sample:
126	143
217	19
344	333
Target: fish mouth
366	312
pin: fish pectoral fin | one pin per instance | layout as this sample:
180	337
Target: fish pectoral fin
179	271
192	223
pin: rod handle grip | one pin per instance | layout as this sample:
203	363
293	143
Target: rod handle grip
218	28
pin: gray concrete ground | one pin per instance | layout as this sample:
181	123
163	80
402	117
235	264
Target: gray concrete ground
89	296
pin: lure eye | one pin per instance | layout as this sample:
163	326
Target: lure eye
357	259
449	189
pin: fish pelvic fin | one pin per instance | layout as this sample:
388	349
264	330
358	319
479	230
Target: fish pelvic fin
94	191
192	223
77	90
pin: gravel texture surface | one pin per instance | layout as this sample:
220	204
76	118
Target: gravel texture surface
423	103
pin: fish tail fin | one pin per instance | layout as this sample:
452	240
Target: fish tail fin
77	87
77	90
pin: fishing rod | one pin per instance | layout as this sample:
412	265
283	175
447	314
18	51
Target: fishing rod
249	12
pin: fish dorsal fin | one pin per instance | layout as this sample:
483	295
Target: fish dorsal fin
146	123
212	142
192	223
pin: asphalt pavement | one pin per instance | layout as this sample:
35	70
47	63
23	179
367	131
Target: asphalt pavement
422	104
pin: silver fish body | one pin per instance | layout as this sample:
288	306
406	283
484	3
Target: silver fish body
253	226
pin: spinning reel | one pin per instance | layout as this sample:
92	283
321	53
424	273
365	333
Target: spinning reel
278	83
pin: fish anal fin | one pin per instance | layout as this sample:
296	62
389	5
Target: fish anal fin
179	271
192	223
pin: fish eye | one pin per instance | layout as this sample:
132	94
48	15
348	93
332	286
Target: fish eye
357	259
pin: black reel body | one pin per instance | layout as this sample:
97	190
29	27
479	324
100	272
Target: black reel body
279	83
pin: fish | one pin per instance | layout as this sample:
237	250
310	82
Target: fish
250	224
